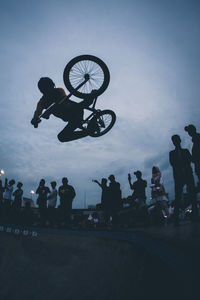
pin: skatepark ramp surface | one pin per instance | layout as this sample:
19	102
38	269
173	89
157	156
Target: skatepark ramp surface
61	266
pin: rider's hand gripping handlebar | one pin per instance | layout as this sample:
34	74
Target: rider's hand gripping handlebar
35	122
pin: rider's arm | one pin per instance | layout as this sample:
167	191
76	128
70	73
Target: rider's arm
39	109
35	120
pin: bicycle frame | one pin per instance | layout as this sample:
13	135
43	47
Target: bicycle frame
93	112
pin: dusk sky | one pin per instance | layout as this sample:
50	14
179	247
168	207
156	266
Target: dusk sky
152	49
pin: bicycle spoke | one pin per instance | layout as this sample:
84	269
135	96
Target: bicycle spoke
82	66
75	81
96	82
75	71
76	66
91	67
96	71
90	85
91	63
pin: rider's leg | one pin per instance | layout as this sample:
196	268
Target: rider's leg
68	133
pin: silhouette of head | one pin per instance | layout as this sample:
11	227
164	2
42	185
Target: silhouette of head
111	178
176	140
42	182
138	174
19	185
191	129
53	184
155	170
46	85
12	181
65	181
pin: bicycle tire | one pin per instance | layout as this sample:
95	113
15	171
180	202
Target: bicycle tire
97	120
81	66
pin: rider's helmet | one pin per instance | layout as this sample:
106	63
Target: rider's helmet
45	84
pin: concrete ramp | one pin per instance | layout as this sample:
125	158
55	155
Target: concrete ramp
54	266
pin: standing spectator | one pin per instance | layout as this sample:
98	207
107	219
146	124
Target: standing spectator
67	194
138	187
42	192
180	160
52	200
2	189
191	129
157	187
105	200
115	198
158	194
17	203
8	197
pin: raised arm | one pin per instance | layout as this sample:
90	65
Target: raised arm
129	180
96	181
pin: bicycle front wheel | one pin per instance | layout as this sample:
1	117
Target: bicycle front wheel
101	123
82	67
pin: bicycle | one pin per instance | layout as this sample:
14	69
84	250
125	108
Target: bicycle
87	76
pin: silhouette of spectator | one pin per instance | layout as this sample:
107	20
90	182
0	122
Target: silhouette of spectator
191	129
105	199
42	192
158	193
115	198
2	189
180	160
17	203
52	200
8	197
67	194
138	187
69	111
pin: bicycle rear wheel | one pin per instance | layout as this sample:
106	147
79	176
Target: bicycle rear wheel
82	67
101	123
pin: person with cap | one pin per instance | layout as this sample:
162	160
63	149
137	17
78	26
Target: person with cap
191	130
138	187
180	160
